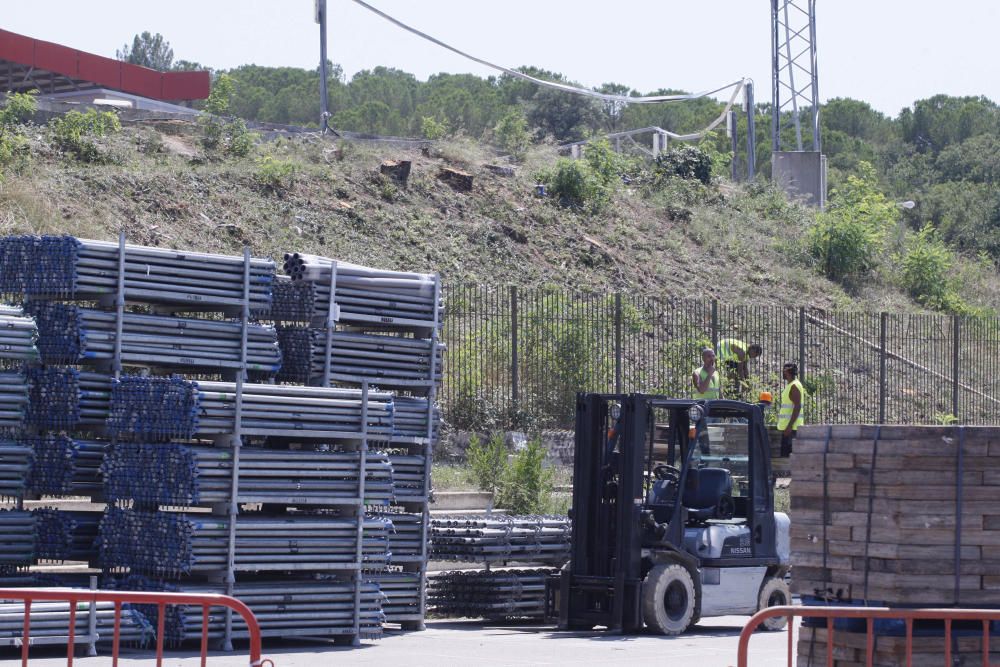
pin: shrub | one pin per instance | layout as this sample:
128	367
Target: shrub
574	185
488	461
433	128
75	132
687	162
275	175
846	247
231	137
18	109
526	487
512	134
926	272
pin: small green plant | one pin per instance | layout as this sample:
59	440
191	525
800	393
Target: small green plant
488	461
275	175
687	162
512	134
926	272
574	185
230	137
945	419
18	109
75	133
526	487
432	128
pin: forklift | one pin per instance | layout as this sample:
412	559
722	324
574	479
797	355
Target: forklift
673	516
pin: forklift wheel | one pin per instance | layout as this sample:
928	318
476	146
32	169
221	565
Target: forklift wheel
774	592
668	599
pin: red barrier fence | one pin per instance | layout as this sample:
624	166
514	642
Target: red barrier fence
870	614
74	596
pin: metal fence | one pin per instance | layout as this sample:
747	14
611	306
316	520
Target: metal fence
516	357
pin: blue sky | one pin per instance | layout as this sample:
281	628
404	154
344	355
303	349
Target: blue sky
888	53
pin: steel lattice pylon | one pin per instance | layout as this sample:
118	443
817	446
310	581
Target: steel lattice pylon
794	78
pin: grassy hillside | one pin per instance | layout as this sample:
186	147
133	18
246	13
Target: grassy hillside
676	237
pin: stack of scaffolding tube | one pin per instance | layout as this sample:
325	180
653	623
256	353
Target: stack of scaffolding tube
408	477
292	301
51	619
410	418
494	594
364	295
182	475
498	538
15	466
70	334
63	536
147	408
387	361
64	466
67	399
174	544
401	591
296	354
406	537
13	403
17	539
18	335
64	267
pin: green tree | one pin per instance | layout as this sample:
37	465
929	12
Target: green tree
512	133
148	50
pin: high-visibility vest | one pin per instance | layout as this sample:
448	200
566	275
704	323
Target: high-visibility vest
787	407
728	347
713	386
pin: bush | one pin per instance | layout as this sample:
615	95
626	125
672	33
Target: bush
18	109
275	175
847	248
488	462
926	272
230	137
687	162
75	132
526	487
512	134
433	128
574	185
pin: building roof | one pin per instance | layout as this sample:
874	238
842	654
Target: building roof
33	64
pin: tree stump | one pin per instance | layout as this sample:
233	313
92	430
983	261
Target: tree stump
458	180
397	170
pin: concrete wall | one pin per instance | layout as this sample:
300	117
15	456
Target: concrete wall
802	175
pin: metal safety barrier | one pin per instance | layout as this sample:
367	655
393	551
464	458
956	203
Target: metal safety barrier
870	615
75	597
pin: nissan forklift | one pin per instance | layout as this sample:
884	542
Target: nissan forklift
673	516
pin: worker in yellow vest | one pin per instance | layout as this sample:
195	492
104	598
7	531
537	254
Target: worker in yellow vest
706	377
735	355
790	408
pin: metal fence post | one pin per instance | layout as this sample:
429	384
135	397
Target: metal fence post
618	343
802	343
514	389
715	325
882	371
955	381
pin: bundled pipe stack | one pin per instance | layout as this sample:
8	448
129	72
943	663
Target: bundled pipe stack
17	539
408	477
18	335
494	594
15	466
386	361
64	466
71	335
167	408
64	267
173	544
500	538
185	475
51	619
296	354
410	417
894	516
406	537
292	300
63	536
13	403
401	591
67	399
367	296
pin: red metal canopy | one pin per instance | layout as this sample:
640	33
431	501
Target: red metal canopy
28	64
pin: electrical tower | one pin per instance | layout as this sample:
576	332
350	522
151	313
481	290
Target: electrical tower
794	79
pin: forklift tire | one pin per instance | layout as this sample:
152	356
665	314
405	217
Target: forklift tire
774	592
668	599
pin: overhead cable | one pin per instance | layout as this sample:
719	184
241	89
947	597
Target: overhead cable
624	99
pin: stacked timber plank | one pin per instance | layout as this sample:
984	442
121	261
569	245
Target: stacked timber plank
894	516
889	650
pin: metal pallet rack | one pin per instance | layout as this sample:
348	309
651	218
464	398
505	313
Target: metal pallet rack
422	446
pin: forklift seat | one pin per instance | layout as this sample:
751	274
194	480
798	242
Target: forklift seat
708	494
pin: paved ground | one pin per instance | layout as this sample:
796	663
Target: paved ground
445	643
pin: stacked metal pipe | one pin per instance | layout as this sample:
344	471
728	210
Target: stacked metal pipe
292	301
408	477
489	594
62	535
13	402
180	475
18	335
365	295
173	544
51	619
15	466
70	334
67	398
410	418
17	539
296	354
401	591
387	361
166	408
406	536
64	466
500	538
64	267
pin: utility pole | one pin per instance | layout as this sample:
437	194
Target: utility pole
794	78
324	101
